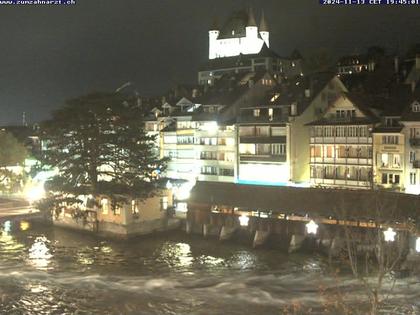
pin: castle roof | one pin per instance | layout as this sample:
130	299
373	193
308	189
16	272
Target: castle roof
235	27
263	24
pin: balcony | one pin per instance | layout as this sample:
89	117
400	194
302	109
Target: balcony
262	158
415	142
262	139
246	119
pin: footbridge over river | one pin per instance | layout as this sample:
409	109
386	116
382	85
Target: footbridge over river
16	209
223	209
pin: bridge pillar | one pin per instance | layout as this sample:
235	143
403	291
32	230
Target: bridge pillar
260	238
227	232
188	227
296	242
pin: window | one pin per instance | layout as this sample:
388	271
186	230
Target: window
226	172
134	207
208	141
412	178
384	179
169	139
390	139
208	170
390	179
262	149
278	149
384	160
278	131
164	203
412	156
262	131
270	114
416	107
105	206
256	113
247	148
397	161
185	140
208	155
246	131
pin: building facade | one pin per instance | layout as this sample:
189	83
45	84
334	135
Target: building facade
342	146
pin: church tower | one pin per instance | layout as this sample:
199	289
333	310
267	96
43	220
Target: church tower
264	31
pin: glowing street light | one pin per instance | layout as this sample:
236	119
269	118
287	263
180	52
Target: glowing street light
418	245
389	235
311	227
243	220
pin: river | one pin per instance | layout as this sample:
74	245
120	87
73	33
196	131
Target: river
48	270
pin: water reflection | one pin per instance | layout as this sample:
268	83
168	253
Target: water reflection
24	225
39	253
178	254
163	274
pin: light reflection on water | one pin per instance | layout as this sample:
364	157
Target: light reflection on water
45	270
39	253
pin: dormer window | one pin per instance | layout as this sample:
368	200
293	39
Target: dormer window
416	107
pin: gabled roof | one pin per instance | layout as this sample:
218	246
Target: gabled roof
293	90
361	102
408	113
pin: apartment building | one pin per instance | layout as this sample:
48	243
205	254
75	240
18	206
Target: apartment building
341	145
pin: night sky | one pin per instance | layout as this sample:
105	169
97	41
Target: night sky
50	54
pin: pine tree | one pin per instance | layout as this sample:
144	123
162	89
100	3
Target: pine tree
99	147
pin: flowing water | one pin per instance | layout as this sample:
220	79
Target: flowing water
47	270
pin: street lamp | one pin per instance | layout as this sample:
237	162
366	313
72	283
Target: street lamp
311	227
243	220
389	235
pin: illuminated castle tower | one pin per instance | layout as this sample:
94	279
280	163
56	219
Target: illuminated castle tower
239	35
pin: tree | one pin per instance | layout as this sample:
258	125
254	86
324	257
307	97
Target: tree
371	257
319	61
99	146
12	158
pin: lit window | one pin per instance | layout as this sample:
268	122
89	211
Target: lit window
247	148
164	203
416	107
256	113
105	206
270	114
412	178
134	207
